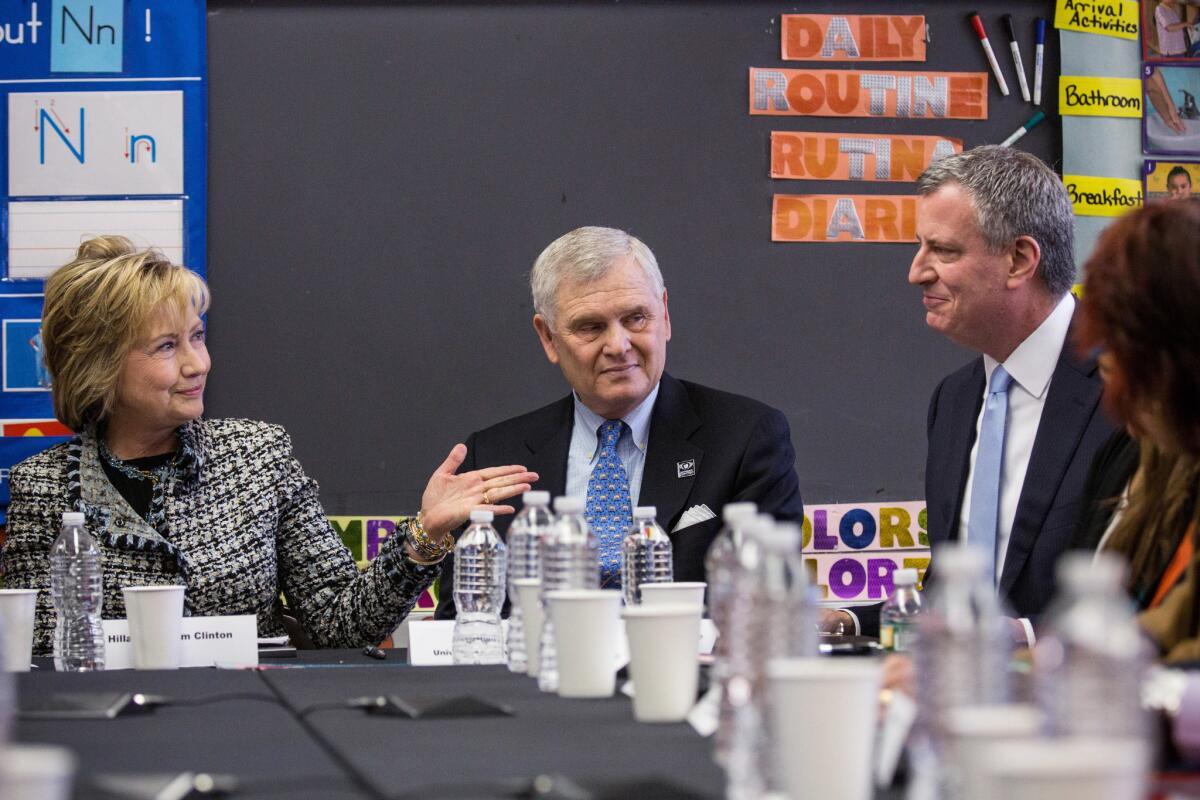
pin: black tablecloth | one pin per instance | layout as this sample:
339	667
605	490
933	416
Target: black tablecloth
257	740
288	734
595	742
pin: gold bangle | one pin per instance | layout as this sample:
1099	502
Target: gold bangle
423	544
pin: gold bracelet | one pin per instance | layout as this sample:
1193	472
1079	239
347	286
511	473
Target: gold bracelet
423	544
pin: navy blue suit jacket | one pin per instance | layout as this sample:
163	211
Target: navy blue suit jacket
741	449
1072	429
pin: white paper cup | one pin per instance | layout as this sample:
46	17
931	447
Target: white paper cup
975	730
585	638
36	772
529	596
688	594
663	659
1067	768
155	623
16	620
823	724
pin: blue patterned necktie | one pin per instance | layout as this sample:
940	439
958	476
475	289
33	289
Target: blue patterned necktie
989	463
608	505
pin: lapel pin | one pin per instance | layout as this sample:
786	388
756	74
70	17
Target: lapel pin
686	468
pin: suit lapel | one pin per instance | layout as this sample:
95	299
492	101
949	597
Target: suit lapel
966	404
548	446
665	483
1072	399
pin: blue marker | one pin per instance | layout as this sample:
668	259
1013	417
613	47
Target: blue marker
1040	27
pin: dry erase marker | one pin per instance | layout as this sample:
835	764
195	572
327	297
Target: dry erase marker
1040	27
1016	53
977	24
1024	129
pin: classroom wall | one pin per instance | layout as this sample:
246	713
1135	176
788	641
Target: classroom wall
382	177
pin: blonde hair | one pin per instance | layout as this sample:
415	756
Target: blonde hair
97	308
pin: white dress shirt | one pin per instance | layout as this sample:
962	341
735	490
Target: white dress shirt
631	447
1031	366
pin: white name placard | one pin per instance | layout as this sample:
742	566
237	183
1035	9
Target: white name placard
430	642
207	641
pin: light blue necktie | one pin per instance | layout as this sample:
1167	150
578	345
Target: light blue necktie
989	462
608	508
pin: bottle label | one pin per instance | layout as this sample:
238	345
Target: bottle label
887	637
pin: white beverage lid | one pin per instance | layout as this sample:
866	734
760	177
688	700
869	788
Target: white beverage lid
482	515
568	505
645	512
904	577
536	498
72	518
738	511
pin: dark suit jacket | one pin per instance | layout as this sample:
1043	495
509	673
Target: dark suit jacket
1072	429
742	450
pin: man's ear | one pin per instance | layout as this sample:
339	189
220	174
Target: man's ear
666	315
546	337
1025	262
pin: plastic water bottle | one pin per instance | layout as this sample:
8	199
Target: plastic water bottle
720	564
1090	661
645	555
570	560
480	561
77	590
787	630
962	659
740	744
524	561
900	612
790	603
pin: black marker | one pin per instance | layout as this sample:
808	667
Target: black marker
1016	53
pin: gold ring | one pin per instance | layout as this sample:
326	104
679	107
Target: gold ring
487	501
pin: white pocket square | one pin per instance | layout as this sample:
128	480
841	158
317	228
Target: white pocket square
692	516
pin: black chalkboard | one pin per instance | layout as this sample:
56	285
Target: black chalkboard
382	176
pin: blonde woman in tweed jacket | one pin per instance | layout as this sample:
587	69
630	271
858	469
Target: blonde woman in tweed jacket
220	506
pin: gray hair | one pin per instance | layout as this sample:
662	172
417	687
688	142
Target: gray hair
582	256
1014	194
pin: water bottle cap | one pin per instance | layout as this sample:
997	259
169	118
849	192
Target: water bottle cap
758	525
959	559
738	511
1091	571
72	518
776	540
536	498
645	512
904	577
482	515
568	505
789	536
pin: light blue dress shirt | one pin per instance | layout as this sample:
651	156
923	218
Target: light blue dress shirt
631	449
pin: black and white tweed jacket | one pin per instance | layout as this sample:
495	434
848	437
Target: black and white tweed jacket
244	523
